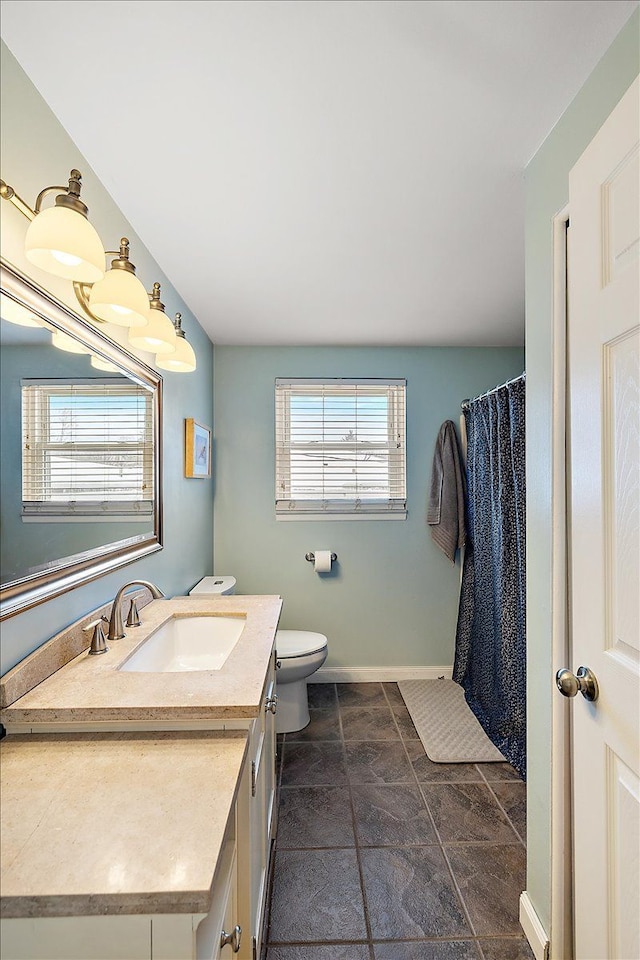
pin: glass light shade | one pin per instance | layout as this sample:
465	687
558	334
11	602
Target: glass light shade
182	361
15	313
63	242
63	341
120	298
157	336
101	364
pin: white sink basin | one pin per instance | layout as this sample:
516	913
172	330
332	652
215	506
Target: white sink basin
187	643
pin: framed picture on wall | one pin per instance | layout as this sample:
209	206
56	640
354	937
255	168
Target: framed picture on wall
197	449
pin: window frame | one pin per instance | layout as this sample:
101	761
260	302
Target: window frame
342	508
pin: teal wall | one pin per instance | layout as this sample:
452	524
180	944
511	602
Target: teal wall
547	192
36	152
392	598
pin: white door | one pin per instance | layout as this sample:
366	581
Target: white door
604	390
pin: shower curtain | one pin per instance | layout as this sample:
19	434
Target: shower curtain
490	657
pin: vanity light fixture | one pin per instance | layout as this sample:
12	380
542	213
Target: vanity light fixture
183	360
158	335
63	341
119	298
60	239
99	363
14	312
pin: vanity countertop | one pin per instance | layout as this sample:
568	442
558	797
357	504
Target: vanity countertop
92	688
110	823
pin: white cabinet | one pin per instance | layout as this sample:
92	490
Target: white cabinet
238	894
141	937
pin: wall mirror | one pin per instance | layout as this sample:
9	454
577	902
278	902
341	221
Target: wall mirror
80	449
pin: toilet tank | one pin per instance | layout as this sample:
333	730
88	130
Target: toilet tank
222	585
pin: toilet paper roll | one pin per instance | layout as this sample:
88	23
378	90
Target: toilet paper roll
322	562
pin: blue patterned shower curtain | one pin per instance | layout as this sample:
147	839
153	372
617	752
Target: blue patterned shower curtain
490	658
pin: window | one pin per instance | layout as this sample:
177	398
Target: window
87	450
340	448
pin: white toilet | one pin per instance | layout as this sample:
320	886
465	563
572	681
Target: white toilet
299	654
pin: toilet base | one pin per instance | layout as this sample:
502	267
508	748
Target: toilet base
293	706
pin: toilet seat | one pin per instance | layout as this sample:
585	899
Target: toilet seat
299	643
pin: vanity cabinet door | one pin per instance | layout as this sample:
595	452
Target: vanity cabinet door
224	912
229	922
76	938
271	806
256	806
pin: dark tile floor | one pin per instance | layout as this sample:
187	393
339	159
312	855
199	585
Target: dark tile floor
382	854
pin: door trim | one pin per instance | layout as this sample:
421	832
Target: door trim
561	933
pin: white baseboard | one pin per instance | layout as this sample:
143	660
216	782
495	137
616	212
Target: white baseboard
384	674
533	929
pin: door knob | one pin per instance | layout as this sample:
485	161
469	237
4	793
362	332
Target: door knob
583	682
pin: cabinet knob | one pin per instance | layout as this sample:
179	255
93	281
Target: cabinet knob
271	703
233	938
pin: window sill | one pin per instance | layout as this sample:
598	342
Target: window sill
299	515
87	512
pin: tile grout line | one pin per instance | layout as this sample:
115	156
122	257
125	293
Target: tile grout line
441	846
461	899
356	839
497	799
516	840
442	850
367	940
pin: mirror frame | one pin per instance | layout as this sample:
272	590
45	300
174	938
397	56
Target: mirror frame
58	577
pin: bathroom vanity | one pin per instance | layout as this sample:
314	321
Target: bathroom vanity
138	806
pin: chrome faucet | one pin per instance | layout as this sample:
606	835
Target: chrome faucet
116	629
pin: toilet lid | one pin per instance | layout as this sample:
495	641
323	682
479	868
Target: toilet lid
299	643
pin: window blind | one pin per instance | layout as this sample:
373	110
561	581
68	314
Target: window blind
87	449
340	447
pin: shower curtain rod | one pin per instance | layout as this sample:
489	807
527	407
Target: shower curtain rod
466	403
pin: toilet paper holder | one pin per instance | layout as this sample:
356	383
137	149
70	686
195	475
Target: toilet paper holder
311	557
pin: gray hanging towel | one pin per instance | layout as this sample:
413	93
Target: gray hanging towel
445	510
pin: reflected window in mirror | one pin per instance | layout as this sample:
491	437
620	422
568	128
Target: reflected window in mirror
87	450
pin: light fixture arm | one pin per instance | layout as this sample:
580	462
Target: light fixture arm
68	196
8	193
43	194
81	291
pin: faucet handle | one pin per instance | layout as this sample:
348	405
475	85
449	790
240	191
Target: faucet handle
133	620
98	641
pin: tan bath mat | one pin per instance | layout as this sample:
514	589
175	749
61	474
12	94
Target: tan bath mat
448	729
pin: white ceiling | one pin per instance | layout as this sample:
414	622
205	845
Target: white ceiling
318	171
